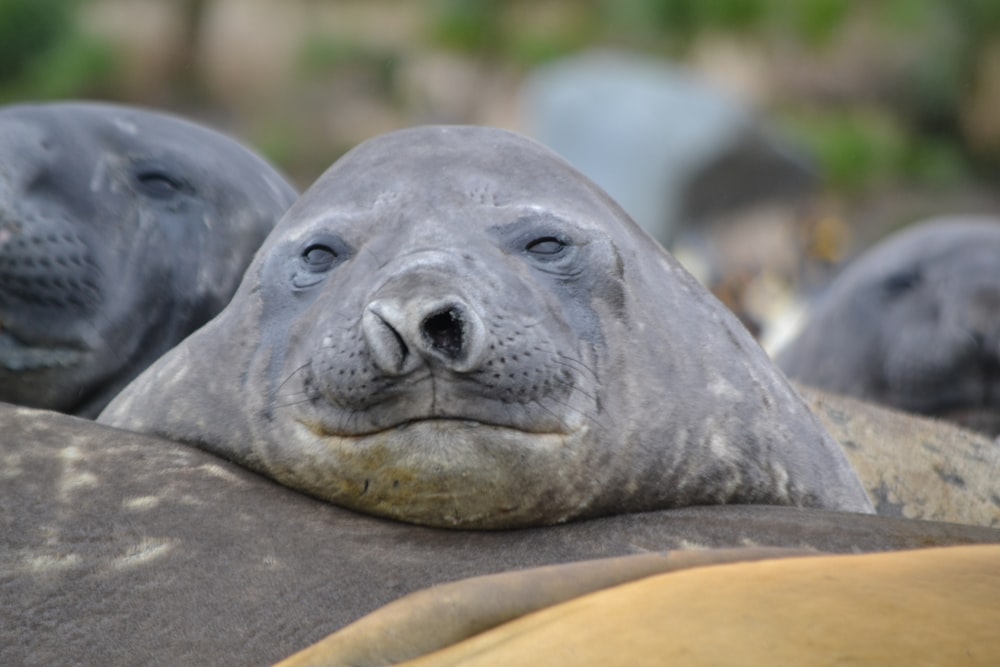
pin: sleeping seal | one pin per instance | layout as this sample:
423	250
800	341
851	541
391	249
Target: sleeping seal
914	324
454	327
121	231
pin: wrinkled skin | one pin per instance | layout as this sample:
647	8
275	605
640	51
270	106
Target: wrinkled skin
914	324
121	232
455	328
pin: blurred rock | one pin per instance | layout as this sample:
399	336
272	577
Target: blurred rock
668	147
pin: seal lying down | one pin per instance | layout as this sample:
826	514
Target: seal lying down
121	232
453	327
914	324
126	549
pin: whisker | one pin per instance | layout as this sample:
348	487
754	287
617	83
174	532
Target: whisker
570	407
291	403
575	387
290	376
573	362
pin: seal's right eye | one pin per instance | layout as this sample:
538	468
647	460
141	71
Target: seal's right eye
318	257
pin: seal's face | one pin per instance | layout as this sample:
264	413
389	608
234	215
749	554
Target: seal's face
441	335
914	324
453	327
121	231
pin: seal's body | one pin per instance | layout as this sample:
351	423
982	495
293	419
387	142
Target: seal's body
121	548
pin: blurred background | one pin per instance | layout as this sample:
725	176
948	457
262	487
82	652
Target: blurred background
764	141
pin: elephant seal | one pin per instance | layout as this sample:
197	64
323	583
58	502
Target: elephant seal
929	606
948	473
454	327
121	231
122	549
914	323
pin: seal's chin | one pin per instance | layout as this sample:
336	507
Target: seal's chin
19	357
448	473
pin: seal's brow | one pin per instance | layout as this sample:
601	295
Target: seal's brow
531	214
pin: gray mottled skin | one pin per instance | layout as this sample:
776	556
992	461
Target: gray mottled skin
454	327
947	473
914	324
121	231
125	549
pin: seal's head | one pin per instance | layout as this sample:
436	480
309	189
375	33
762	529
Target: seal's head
121	231
454	327
914	323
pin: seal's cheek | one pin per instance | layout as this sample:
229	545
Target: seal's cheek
448	473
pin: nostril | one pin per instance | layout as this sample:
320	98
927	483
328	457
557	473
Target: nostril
380	327
444	331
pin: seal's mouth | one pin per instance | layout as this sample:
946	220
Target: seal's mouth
20	357
454	422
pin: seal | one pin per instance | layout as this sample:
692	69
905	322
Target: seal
121	231
947	474
913	323
928	605
122	548
454	327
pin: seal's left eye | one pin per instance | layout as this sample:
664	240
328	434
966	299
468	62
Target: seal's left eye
158	183
546	245
318	257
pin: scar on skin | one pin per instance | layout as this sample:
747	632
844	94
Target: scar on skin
41	562
218	471
141	503
146	550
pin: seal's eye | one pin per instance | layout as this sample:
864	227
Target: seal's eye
318	257
158	183
896	284
545	245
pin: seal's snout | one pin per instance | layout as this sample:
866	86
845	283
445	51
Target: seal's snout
403	333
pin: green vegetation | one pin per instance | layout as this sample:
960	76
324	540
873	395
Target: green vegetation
43	54
908	128
912	132
858	149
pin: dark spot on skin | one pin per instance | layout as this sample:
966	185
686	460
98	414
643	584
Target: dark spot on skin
836	415
931	448
950	478
883	506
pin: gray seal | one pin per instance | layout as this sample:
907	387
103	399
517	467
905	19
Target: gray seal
914	324
121	231
454	327
121	548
